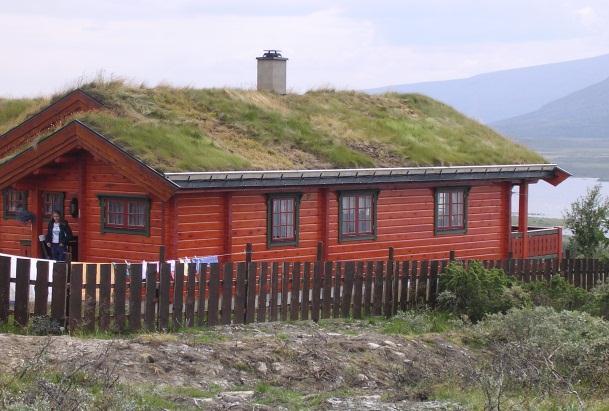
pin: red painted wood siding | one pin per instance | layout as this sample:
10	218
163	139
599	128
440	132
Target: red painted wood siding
98	247
102	179
406	222
13	231
249	226
200	224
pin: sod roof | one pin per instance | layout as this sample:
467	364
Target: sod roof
186	129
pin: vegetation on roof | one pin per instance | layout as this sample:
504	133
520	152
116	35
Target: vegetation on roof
186	129
15	111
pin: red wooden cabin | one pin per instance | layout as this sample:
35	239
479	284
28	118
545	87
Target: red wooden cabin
121	209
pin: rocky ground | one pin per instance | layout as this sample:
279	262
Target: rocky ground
332	366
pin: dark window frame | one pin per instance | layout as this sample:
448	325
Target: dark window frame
62	200
374	194
12	215
438	231
270	197
110	228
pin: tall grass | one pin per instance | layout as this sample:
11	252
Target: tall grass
185	129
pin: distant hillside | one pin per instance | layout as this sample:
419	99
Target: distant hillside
224	129
580	115
503	94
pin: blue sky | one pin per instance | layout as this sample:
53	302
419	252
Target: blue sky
353	44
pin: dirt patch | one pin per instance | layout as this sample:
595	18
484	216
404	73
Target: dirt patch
240	366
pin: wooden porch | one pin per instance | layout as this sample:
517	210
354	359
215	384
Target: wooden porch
536	242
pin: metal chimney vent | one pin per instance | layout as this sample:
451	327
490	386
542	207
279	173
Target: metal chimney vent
272	72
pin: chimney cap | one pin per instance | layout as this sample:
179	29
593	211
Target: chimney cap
271	55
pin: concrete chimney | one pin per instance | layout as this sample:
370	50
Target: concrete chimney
272	72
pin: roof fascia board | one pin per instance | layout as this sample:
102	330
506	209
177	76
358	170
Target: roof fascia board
45	117
77	135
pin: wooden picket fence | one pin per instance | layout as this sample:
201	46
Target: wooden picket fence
121	298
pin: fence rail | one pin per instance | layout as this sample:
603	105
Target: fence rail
122	298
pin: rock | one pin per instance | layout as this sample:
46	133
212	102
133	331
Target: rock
389	343
373	346
261	368
277	367
398	354
361	378
203	402
236	396
146	357
334	334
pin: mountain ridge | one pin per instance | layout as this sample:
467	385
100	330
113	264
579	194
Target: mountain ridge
494	96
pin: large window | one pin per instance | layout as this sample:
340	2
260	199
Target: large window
451	210
130	215
52	201
13	201
357	215
282	219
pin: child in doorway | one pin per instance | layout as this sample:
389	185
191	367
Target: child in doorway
58	235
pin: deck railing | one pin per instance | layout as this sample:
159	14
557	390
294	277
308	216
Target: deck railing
542	242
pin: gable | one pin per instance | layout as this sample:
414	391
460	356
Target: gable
74	136
76	101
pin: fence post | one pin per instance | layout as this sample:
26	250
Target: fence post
451	256
68	274
161	255
248	260
320	251
388	308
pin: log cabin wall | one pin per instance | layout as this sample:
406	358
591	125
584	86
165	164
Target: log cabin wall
249	225
105	247
200	224
84	177
13	233
405	221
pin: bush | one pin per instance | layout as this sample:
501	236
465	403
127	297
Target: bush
598	301
422	321
544	350
476	291
557	293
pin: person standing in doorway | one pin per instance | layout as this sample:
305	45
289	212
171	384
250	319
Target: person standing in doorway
58	235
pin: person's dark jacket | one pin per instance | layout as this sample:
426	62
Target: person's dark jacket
65	233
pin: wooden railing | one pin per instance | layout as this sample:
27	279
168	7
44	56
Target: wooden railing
129	298
542	242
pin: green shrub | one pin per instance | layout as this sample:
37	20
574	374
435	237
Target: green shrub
542	349
557	293
475	290
422	321
598	301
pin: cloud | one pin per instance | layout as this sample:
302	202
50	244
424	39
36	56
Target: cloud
200	44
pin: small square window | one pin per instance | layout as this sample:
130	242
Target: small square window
52	201
451	210
129	215
282	219
357	215
13	201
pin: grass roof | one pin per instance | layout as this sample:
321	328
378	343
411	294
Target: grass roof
186	129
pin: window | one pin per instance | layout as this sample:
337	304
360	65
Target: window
357	215
52	201
129	215
13	202
282	219
451	210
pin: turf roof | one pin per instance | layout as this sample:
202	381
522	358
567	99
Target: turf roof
186	129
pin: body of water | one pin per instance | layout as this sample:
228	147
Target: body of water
545	200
